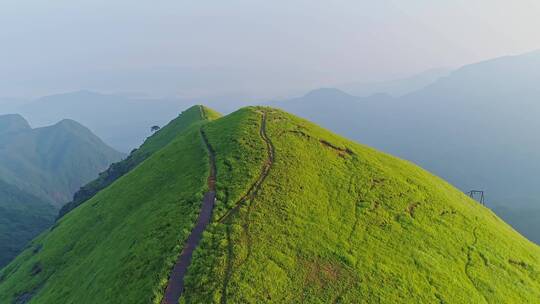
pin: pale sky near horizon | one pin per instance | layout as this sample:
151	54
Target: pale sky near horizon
49	45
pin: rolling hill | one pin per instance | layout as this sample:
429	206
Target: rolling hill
301	215
51	162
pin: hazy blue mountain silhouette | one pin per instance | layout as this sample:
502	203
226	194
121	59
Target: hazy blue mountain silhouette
13	123
121	122
51	162
397	87
40	169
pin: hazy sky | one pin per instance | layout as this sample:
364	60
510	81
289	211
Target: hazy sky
265	46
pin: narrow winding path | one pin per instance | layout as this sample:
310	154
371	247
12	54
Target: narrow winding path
249	196
468	264
175	286
252	191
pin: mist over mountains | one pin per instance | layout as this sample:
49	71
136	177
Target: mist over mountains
122	121
472	126
397	87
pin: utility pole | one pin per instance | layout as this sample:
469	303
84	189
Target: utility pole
477	195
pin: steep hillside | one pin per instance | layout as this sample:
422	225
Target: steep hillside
301	215
152	144
22	217
51	162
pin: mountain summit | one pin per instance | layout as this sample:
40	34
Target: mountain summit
40	169
13	123
300	215
51	162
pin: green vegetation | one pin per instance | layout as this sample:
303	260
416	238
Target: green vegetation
339	222
333	221
22	217
119	246
152	144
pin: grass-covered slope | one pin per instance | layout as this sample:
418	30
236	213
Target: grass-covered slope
302	216
22	217
336	221
152	144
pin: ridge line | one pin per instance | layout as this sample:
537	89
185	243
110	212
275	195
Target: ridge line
203	113
253	189
250	195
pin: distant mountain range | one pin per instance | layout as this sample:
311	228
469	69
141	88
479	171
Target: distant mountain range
475	127
123	120
397	87
40	169
51	162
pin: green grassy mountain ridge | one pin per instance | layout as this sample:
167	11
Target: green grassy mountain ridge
301	215
152	144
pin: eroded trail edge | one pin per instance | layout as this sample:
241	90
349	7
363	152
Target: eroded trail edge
248	197
468	264
175	286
